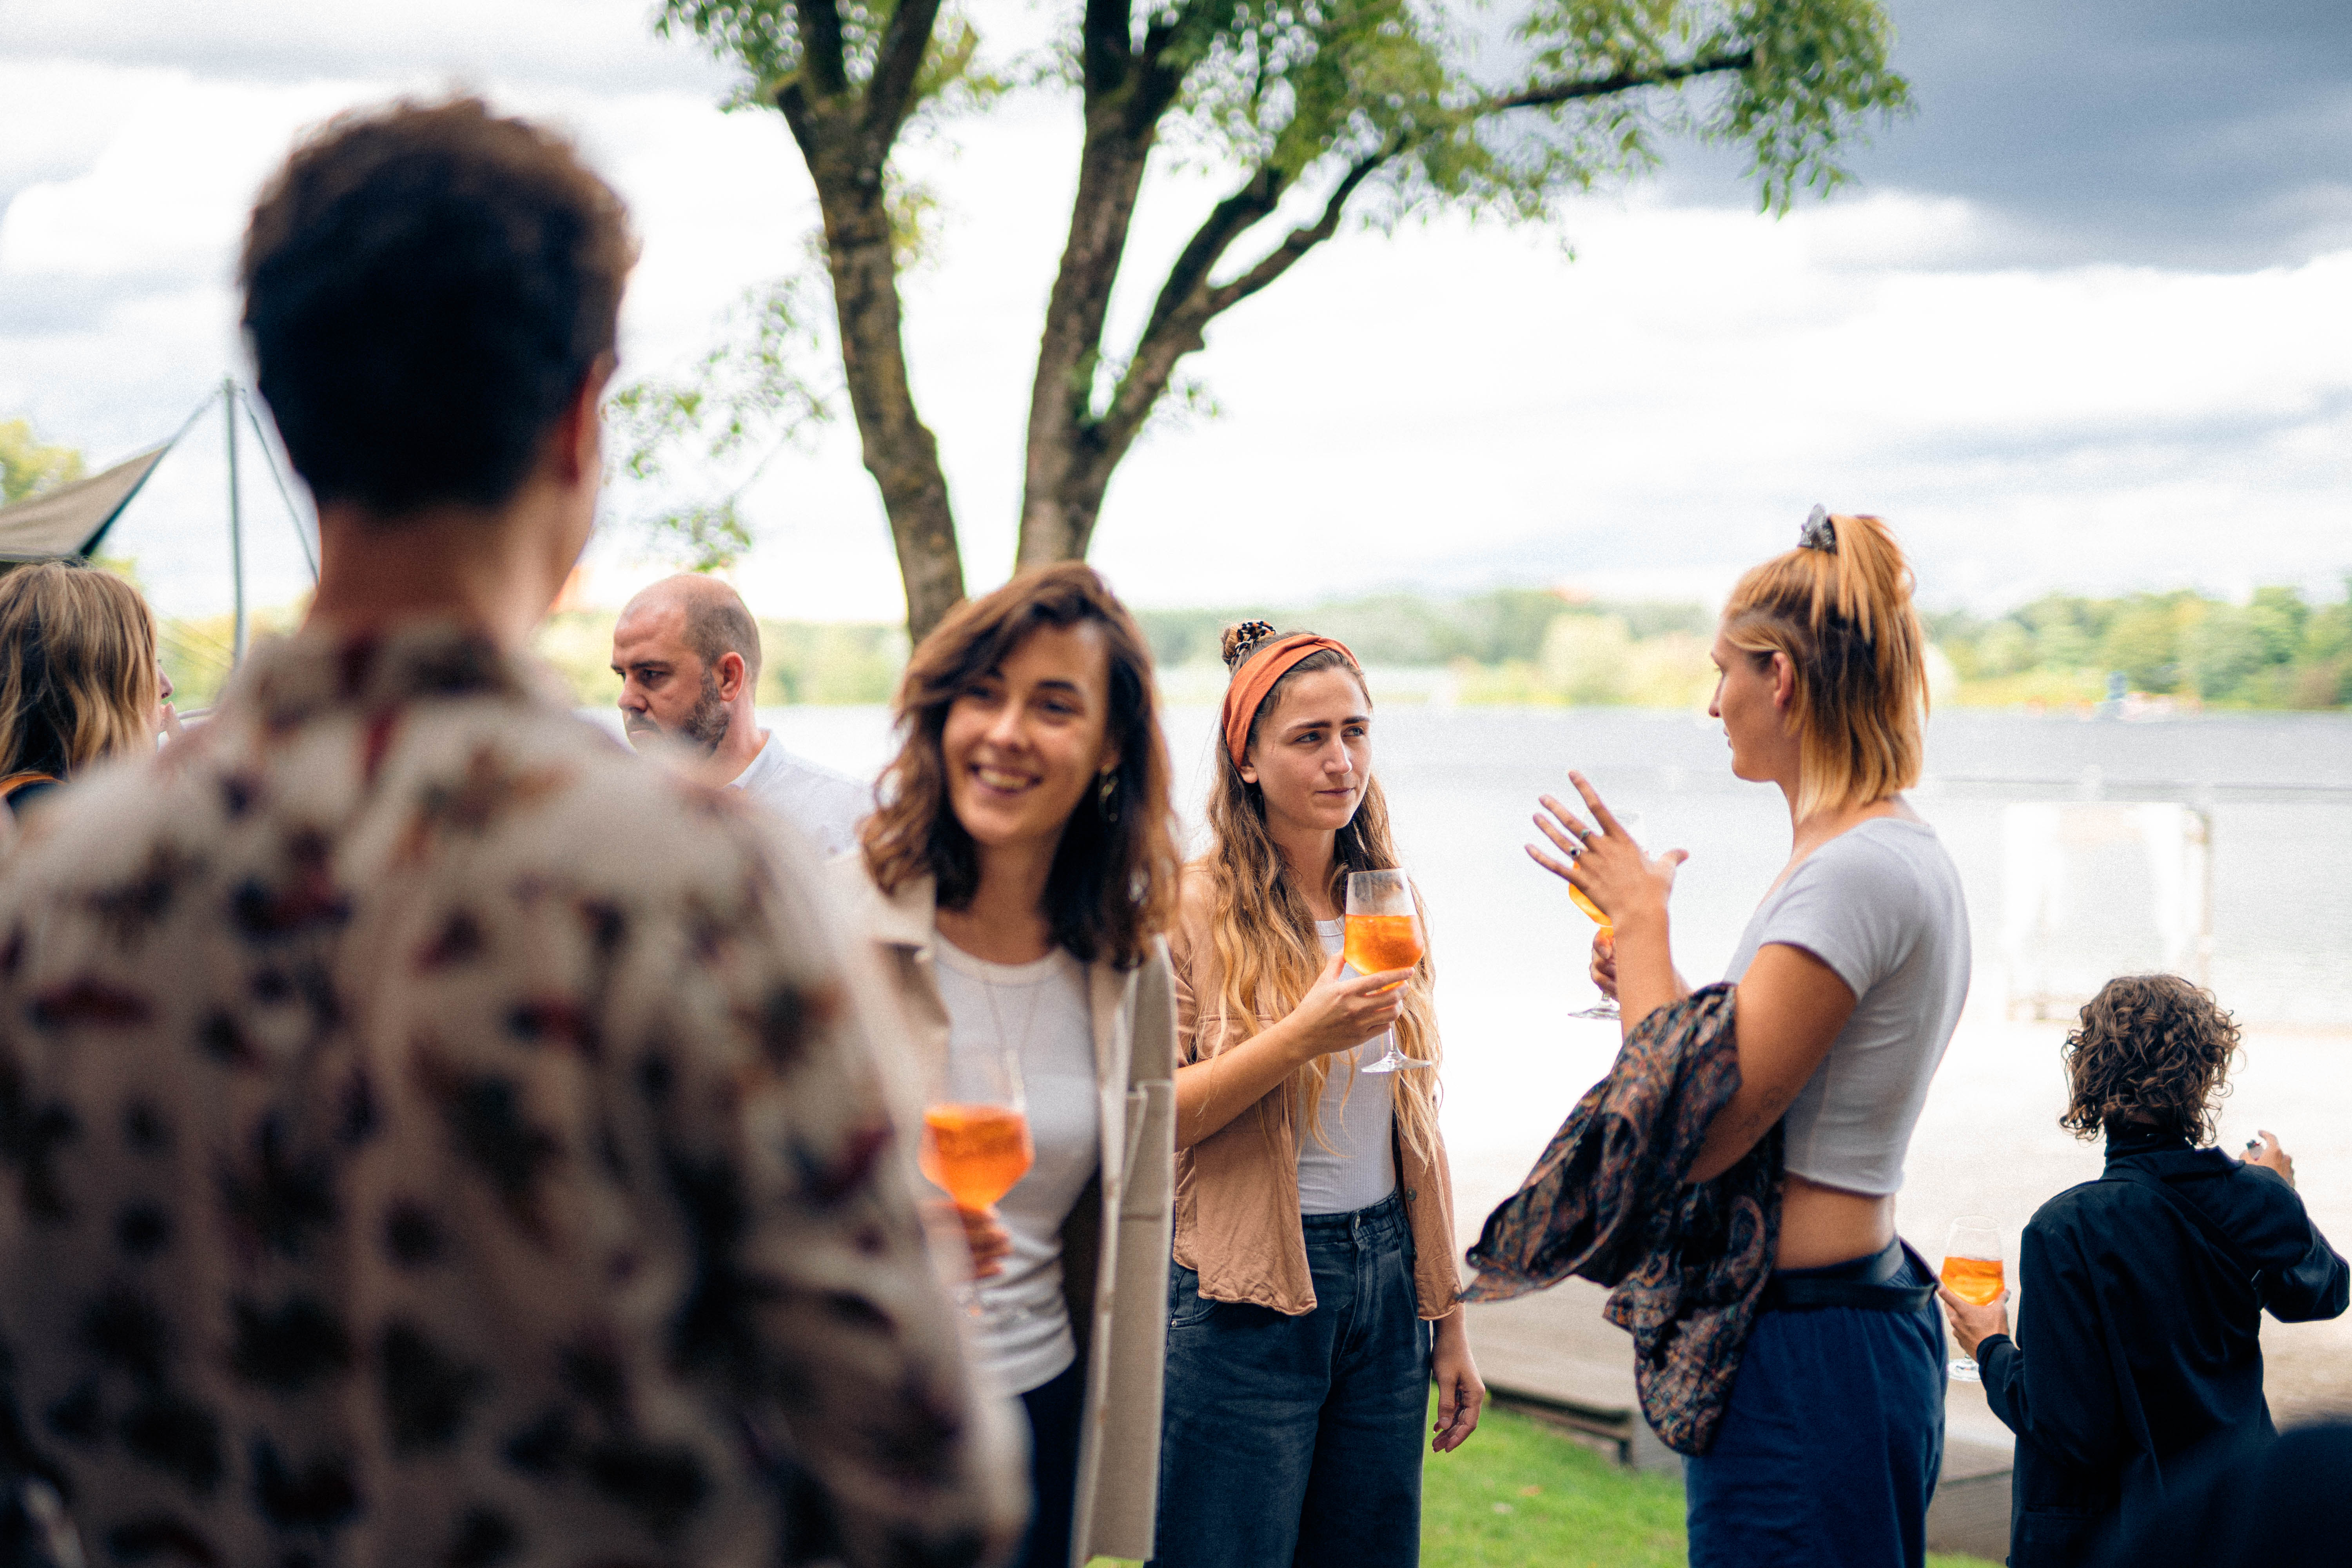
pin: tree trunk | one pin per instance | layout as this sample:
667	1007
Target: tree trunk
898	448
1126	93
1058	519
845	151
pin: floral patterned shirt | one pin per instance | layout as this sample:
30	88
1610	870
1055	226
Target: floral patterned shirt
429	1136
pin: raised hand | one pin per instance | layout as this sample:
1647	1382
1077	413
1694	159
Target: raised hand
1602	860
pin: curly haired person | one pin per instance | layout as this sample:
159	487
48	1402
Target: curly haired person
2144	1290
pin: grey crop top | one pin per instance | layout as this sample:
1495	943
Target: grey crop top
1880	904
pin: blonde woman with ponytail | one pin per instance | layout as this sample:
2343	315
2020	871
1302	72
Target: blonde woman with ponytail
1850	980
1312	1295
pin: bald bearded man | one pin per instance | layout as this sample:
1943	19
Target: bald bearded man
688	653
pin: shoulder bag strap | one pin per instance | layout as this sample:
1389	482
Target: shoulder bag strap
2205	1223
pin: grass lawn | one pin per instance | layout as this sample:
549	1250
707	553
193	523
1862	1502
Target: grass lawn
1522	1493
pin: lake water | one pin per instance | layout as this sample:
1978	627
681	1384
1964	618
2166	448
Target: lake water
1462	784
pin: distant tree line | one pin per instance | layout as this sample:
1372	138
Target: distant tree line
30	465
2279	650
1503	627
801	661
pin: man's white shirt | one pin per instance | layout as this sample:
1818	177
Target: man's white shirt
826	806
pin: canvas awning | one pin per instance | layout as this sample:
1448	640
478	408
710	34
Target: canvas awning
72	519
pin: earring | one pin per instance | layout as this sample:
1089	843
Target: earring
1106	794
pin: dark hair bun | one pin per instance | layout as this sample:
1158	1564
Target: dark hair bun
1244	639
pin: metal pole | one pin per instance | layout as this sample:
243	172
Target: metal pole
236	522
278	477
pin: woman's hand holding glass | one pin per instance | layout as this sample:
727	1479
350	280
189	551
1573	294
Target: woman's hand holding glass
985	1237
1341	1012
1602	971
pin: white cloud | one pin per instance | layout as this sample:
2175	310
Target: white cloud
603	44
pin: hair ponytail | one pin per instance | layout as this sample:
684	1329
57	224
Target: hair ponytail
1839	608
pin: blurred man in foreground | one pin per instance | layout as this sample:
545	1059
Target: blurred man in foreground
688	653
431	1137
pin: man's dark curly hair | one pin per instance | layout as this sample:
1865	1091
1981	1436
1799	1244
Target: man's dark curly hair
427	287
2151	1051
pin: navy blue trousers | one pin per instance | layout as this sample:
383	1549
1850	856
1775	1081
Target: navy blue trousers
1829	1452
1297	1440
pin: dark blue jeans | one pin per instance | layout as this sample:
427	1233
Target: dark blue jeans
1829	1452
1297	1440
1055	1409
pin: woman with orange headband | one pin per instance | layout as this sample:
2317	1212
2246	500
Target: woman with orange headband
1312	1293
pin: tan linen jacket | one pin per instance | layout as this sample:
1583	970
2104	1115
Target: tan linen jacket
1237	1189
1115	1250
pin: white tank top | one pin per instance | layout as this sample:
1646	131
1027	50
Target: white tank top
1022	1339
1358	1169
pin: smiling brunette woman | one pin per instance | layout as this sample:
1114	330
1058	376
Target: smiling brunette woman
1315	1259
1010	895
1850	979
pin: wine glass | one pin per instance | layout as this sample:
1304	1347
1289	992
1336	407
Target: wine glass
1383	933
1972	1271
1631	821
976	1141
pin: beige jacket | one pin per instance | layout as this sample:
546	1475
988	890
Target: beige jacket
1237	1189
1115	1251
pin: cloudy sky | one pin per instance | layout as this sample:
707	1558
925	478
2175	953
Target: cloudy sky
2085	321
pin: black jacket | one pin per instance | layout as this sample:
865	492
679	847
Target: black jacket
2144	1334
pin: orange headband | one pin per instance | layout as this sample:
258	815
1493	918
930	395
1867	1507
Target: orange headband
1257	675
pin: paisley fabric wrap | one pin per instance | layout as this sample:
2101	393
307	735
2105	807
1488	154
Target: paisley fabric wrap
1256	676
1686	1261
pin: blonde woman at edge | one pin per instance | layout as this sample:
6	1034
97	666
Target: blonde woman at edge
1851	975
79	680
1312	1291
1010	894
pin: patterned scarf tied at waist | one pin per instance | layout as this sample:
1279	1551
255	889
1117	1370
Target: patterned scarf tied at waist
1686	1262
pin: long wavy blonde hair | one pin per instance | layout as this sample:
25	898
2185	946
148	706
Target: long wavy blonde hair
1265	937
77	676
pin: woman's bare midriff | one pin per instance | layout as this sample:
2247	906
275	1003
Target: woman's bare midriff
1820	1225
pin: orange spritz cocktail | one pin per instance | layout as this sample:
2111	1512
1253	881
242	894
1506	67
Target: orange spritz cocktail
975	1154
1977	1281
1377	943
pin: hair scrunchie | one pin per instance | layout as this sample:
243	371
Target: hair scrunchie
1256	676
1819	532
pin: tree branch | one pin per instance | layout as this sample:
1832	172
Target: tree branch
1623	81
820	22
1178	319
897	63
1226	222
1298	241
1066	490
